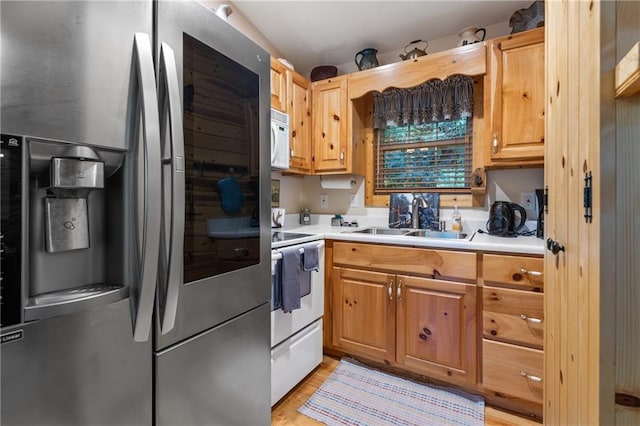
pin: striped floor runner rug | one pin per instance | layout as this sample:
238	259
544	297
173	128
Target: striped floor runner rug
356	395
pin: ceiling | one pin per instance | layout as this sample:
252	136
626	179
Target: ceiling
309	33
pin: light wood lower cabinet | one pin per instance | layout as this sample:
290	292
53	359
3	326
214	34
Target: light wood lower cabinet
436	327
425	325
420	311
513	331
364	313
513	370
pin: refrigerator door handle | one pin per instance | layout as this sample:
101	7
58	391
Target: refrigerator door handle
169	101
145	74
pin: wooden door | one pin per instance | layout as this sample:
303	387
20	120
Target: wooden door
278	86
517	65
436	328
364	313
299	90
592	342
331	150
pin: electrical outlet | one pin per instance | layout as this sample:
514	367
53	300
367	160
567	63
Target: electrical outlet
528	200
324	201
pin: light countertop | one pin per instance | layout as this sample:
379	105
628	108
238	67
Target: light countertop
479	242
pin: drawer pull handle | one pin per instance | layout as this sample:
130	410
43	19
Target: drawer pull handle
241	251
531	319
531	273
530	377
399	291
390	290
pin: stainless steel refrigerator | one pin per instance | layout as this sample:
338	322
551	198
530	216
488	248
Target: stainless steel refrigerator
135	174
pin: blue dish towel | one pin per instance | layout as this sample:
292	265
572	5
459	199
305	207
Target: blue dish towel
291	272
231	196
309	263
310	257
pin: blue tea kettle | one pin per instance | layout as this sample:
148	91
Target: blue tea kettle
366	59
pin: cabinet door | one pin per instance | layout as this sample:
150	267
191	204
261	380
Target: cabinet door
300	123
278	86
517	67
331	153
364	313
436	328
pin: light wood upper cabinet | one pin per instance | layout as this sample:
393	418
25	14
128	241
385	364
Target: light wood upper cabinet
514	98
330	144
291	94
278	85
299	108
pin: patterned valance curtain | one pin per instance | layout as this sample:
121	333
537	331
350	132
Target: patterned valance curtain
433	101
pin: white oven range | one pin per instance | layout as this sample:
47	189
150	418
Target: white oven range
296	337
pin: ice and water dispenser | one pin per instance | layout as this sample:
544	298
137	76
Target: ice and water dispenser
72	178
75	232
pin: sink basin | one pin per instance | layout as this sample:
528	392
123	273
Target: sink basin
438	234
381	231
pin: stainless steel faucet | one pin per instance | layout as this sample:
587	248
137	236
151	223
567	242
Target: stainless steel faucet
418	201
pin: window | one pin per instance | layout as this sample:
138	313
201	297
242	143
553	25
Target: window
422	157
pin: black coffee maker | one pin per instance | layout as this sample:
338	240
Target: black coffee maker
506	219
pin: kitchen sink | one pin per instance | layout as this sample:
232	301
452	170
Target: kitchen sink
438	234
423	233
381	231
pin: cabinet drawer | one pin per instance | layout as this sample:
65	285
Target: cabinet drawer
519	271
513	370
439	264
237	249
513	316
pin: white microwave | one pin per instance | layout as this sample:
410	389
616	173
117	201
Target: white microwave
279	140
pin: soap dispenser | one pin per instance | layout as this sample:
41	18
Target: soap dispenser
456	220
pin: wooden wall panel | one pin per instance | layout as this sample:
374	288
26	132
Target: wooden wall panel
627	235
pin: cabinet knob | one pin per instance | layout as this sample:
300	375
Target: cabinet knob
531	319
399	291
390	290
531	377
342	156
530	273
495	143
554	246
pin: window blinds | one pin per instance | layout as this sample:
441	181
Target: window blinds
423	136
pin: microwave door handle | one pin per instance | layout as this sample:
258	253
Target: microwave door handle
274	148
170	104
151	202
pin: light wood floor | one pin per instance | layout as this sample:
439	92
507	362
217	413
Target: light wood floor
285	412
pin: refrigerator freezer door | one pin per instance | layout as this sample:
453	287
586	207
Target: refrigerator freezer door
66	68
220	377
79	369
